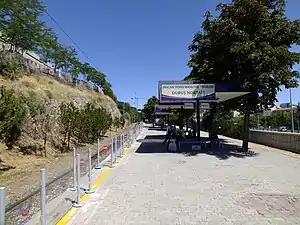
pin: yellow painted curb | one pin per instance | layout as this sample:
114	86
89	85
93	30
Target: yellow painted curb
67	217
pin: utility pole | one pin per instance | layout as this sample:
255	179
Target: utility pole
136	100
292	111
298	117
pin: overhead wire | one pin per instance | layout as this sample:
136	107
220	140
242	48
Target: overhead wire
71	39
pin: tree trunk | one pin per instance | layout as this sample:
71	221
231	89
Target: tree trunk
69	137
246	131
213	135
45	144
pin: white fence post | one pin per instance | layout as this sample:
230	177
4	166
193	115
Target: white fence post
77	203
98	155
122	144
111	152
74	171
117	149
89	190
43	197
2	205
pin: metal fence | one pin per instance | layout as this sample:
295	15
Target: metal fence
84	166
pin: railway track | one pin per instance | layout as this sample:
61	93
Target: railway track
55	187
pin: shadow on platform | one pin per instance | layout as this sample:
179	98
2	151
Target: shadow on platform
154	144
157	128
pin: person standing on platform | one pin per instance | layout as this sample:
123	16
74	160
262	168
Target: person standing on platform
194	127
180	135
168	134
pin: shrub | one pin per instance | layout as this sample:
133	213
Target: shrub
126	116
92	123
12	114
48	94
117	123
68	121
10	64
104	121
85	125
122	121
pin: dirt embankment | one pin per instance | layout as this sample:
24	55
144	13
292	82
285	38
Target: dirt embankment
27	155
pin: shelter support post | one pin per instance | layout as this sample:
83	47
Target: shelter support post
186	124
181	114
154	116
198	119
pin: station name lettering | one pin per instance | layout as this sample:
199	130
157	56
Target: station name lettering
188	92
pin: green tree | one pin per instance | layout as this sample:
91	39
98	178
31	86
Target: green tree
91	123
62	56
68	120
248	45
148	109
122	121
12	114
117	123
47	42
106	121
107	90
20	25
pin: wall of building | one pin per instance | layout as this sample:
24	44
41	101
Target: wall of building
34	64
282	140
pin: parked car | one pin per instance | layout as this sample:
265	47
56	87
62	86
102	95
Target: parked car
283	129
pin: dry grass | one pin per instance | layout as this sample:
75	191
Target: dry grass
43	85
24	166
44	88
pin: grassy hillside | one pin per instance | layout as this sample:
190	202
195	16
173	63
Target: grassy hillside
30	151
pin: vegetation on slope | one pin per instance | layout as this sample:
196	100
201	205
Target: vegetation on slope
38	115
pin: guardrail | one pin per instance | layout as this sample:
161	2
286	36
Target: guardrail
22	211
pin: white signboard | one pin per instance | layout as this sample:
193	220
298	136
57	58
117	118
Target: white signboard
188	104
175	106
186	92
204	105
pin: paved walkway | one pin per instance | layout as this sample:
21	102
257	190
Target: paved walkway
152	187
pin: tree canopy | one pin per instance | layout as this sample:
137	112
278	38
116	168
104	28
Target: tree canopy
22	29
148	110
247	45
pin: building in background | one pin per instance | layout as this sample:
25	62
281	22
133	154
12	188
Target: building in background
33	63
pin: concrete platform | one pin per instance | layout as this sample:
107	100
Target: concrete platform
153	187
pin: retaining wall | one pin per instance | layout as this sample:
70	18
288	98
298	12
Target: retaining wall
282	140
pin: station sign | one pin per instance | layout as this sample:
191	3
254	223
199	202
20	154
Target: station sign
185	91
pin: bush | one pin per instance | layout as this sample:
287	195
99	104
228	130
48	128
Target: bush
12	114
105	121
68	121
117	123
126	116
10	64
122	121
92	123
84	125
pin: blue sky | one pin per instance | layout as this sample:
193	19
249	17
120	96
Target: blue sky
138	42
